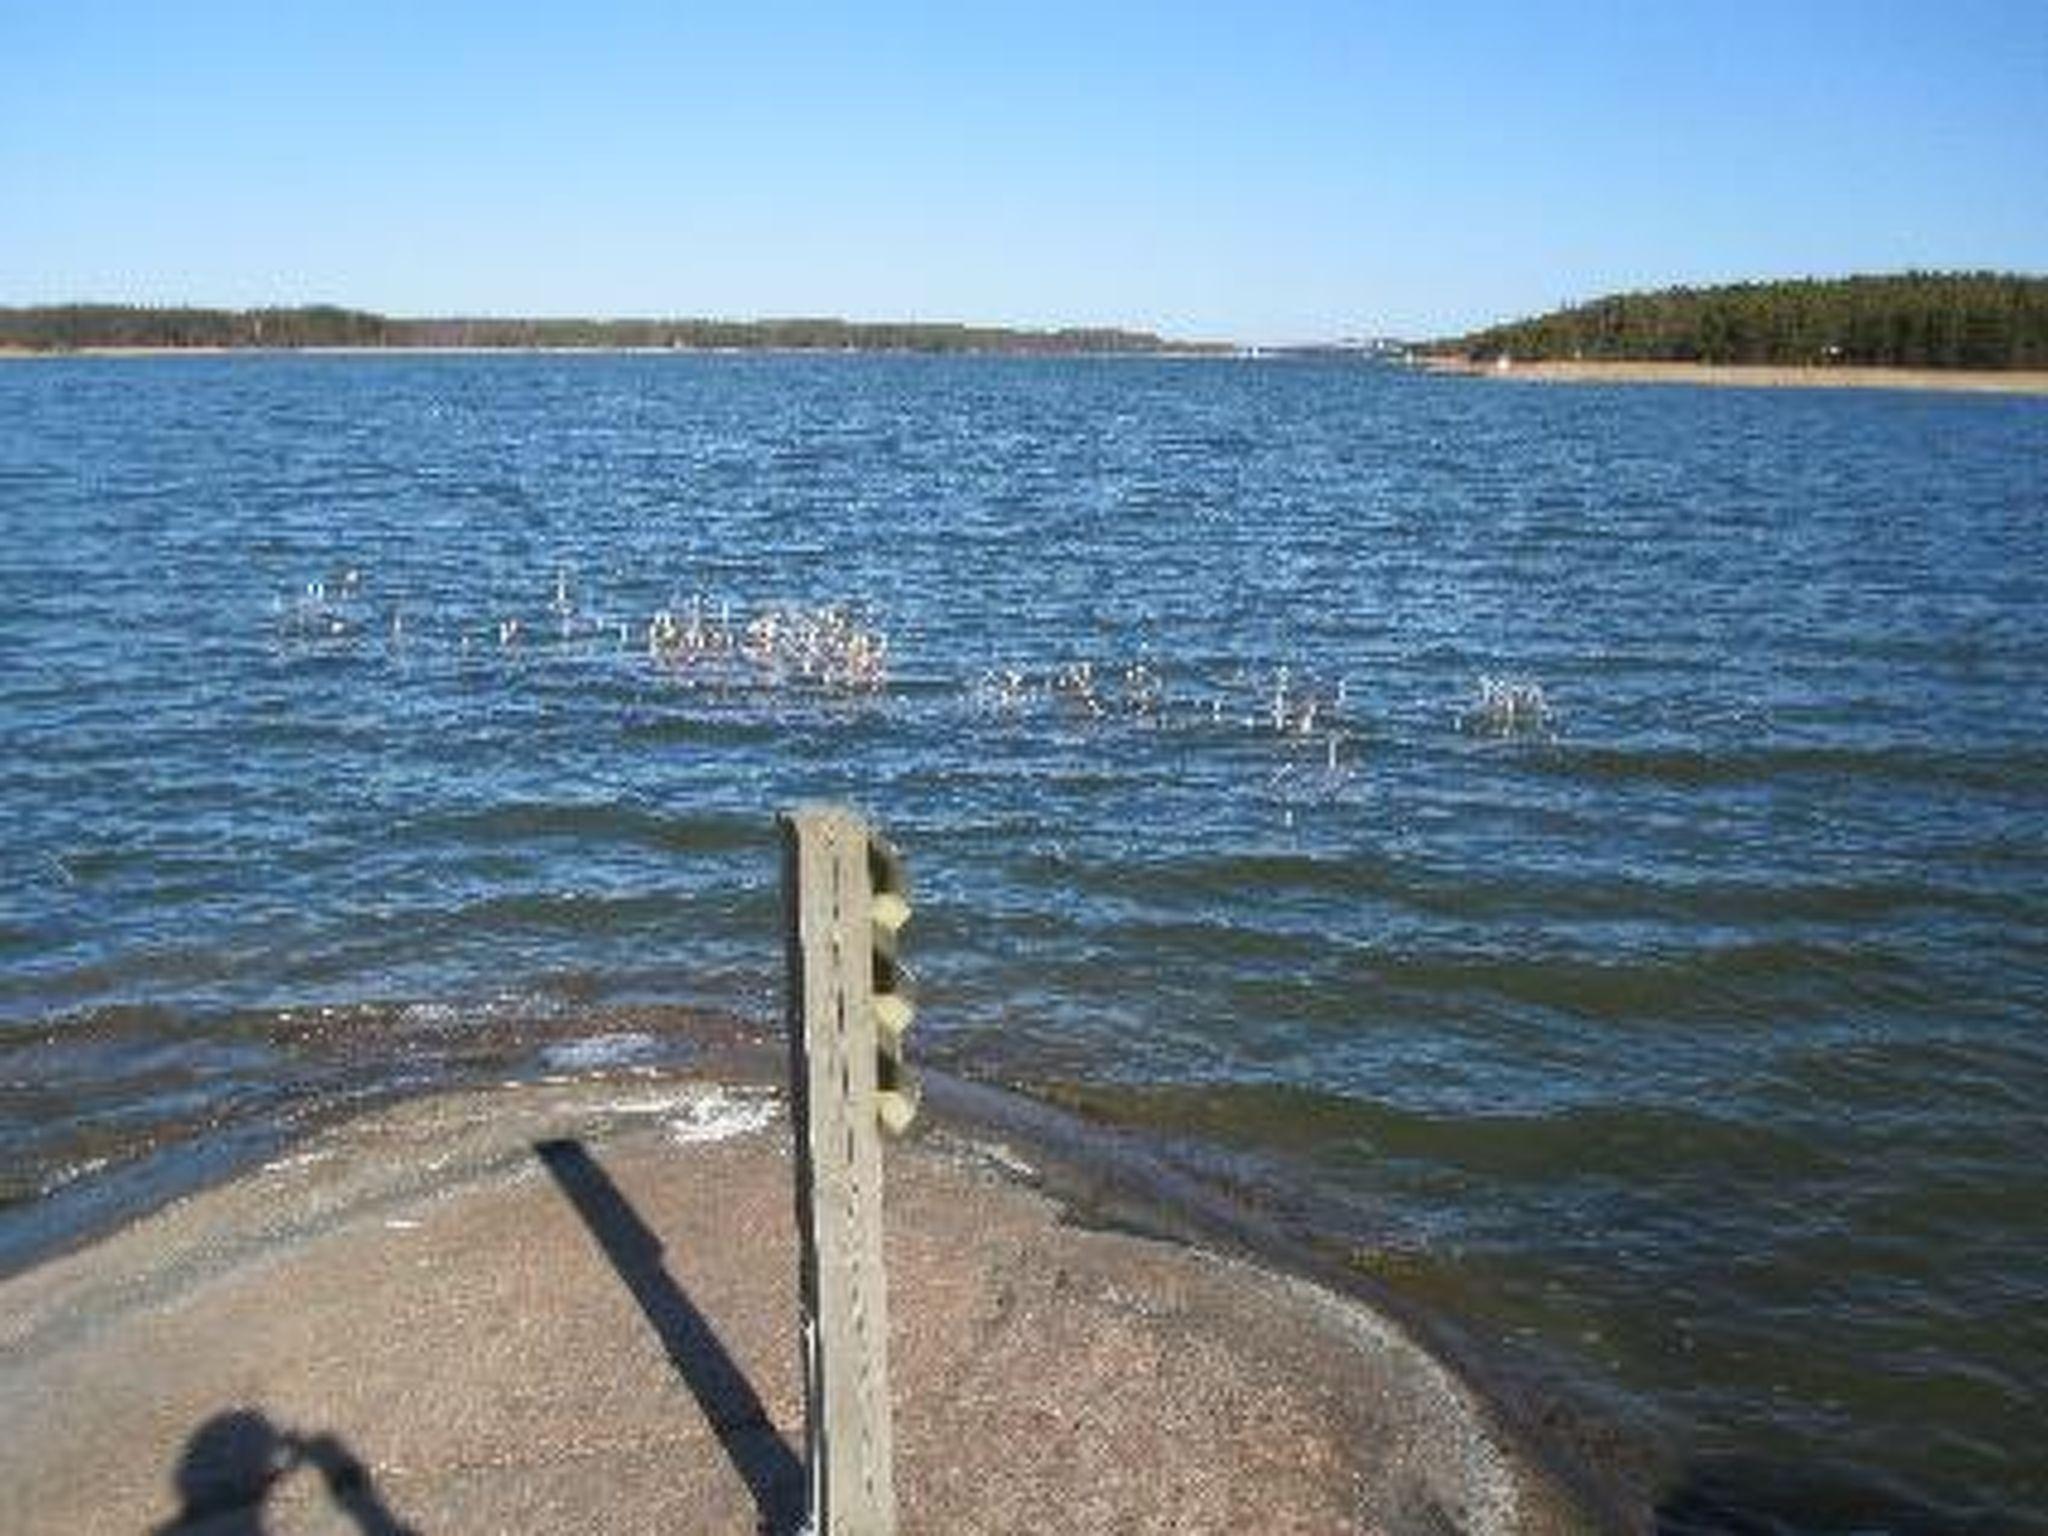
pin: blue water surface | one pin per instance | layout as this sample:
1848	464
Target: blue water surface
1594	838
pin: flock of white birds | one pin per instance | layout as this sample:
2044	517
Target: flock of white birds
840	650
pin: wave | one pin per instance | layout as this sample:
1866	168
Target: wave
1578	1142
1759	978
586	822
2015	768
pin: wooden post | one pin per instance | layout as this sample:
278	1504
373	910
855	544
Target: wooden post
828	898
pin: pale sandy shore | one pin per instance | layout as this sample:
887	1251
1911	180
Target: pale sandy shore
1753	376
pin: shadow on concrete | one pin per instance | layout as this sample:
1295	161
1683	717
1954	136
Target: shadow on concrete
234	1460
1748	1497
772	1471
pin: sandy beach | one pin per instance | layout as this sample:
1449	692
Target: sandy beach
1748	375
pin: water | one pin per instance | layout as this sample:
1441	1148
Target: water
1589	844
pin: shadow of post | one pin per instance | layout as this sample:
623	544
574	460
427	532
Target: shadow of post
773	1473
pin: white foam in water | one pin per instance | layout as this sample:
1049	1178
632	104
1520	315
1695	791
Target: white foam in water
430	1015
73	1172
701	1113
705	1112
718	1113
295	1161
512	1006
599	1051
1005	1158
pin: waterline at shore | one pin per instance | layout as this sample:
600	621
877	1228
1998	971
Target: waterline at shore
1750	375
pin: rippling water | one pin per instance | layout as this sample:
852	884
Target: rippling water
1593	842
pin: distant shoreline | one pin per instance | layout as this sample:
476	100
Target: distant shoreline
1746	375
129	330
45	354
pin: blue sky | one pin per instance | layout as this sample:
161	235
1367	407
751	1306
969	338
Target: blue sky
1257	171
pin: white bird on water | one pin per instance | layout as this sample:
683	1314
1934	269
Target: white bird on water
564	605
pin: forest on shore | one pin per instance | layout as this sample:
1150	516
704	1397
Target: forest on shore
76	327
1987	320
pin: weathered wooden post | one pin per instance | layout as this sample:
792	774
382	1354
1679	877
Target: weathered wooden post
845	901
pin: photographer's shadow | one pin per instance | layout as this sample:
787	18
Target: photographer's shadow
234	1460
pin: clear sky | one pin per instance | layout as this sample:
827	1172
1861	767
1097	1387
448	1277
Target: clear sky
1254	171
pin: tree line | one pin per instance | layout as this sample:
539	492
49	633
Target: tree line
73	327
1913	320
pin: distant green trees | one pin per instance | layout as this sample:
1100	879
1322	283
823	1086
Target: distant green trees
1913	320
63	327
68	327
